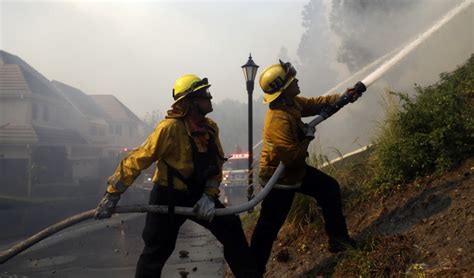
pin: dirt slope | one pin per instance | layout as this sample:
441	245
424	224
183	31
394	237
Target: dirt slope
425	228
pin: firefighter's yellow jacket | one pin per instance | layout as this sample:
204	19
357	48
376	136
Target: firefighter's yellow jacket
168	144
283	138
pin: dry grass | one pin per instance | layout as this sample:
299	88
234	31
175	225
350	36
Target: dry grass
382	256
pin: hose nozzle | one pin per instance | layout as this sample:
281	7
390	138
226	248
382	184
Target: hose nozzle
359	88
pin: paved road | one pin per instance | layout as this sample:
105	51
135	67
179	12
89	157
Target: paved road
111	248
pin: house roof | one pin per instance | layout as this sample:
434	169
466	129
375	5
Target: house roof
31	78
12	81
49	136
80	100
39	135
115	109
17	135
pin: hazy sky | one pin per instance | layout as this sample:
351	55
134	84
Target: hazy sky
137	50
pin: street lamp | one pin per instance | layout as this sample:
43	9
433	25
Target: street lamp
250	71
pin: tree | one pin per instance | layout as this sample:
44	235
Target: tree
151	119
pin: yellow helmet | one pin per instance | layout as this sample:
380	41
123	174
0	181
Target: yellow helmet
187	84
274	79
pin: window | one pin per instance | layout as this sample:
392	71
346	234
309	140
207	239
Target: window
46	113
34	111
118	129
93	130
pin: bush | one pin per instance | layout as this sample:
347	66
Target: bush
429	133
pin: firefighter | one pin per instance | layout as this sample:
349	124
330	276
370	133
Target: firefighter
285	139
189	157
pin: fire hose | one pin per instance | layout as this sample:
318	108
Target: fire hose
359	88
346	98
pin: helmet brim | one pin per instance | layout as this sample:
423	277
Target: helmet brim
268	98
205	86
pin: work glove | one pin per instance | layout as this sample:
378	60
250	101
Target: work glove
353	95
205	208
107	206
309	131
355	92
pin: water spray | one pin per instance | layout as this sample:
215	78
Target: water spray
346	98
371	78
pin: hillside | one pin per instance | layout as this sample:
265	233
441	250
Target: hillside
426	228
408	199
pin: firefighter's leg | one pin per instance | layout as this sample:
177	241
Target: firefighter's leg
325	190
228	230
275	208
159	235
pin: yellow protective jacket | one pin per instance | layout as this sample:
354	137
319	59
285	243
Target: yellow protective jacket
168	144
283	138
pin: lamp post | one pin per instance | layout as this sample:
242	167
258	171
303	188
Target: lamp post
250	71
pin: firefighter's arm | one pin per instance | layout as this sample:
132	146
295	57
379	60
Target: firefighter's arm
286	145
139	159
312	106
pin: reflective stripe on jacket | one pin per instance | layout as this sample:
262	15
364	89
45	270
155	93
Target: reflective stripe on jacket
168	144
283	138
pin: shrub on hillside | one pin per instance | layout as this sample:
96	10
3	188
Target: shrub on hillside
429	133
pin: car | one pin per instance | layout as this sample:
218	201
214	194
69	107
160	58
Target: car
235	175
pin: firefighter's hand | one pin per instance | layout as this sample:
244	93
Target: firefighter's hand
205	208
356	92
107	206
309	131
353	94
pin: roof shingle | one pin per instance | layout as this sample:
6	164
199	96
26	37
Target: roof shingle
115	109
80	100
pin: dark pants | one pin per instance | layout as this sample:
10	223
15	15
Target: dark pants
161	231
277	204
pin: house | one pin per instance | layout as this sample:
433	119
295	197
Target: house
86	159
54	138
126	130
38	128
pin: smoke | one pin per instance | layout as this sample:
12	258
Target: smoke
341	37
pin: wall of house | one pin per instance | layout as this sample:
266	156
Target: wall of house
50	164
14	173
14	152
14	161
126	134
84	169
46	111
96	132
15	111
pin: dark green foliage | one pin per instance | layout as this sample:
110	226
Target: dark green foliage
431	132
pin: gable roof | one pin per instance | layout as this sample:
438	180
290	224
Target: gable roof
36	82
54	136
115	109
17	135
12	81
80	100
